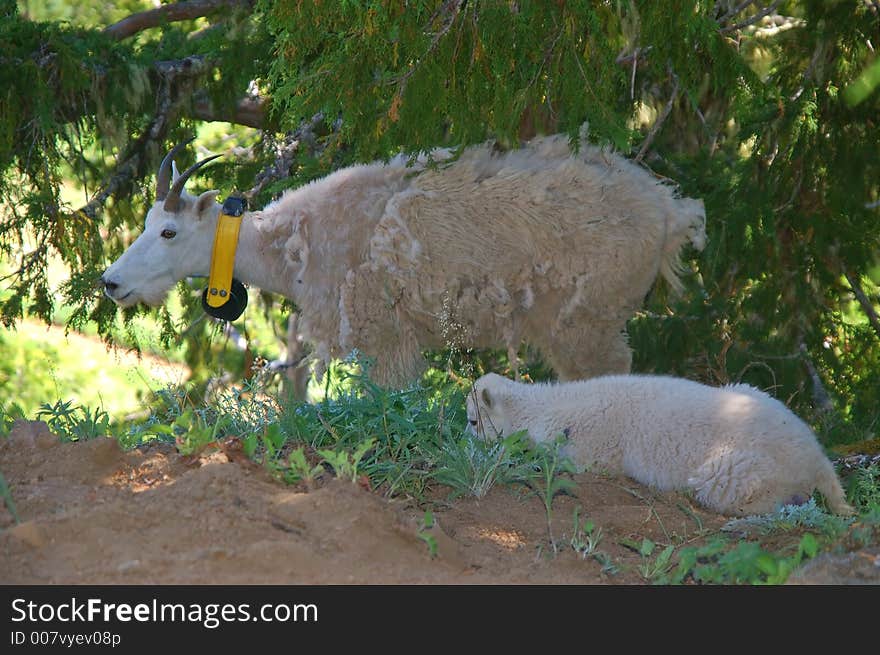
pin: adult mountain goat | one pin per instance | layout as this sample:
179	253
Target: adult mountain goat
739	450
488	249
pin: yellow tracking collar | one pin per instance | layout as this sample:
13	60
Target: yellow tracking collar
223	254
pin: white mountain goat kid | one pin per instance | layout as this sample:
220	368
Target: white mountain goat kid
739	450
488	249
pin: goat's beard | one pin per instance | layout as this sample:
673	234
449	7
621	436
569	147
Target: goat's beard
155	299
150	299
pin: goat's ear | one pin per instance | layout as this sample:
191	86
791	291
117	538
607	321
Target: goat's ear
486	397
174	172
206	201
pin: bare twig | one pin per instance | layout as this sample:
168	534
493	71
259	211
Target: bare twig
123	173
655	129
864	301
782	24
145	20
632	81
250	111
188	66
821	400
626	59
752	19
735	11
302	138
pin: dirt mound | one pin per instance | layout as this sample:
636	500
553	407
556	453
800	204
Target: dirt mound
860	567
91	513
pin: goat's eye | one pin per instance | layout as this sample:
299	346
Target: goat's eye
473	422
168	234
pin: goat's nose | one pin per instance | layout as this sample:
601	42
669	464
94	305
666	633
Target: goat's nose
109	285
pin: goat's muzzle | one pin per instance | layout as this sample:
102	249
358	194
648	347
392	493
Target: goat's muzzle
110	286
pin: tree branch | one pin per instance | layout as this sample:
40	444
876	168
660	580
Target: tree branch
864	301
168	99
302	138
191	66
145	20
821	399
250	111
450	11
735	11
752	19
646	144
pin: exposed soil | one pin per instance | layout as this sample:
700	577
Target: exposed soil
91	513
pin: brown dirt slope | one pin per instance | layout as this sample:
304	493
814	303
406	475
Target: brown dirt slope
91	513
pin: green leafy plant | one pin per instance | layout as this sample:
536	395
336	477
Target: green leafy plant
410	426
791	517
585	537
299	469
426	524
194	430
548	481
345	463
272	439
863	487
9	414
585	540
472	466
654	569
73	422
248	407
866	530
745	563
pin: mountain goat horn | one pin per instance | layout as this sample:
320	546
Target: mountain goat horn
172	201
163	177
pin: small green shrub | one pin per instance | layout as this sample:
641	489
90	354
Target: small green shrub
73	422
717	562
423	533
791	517
9	414
548	481
863	487
344	463
300	470
653	569
472	466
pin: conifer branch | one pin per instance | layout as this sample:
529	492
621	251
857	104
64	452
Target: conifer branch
250	111
752	19
134	163
864	301
450	9
189	10
735	11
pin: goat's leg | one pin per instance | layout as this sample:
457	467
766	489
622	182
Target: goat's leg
381	330
513	359
297	373
578	352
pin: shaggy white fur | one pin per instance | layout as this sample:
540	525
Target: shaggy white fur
739	450
540	244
